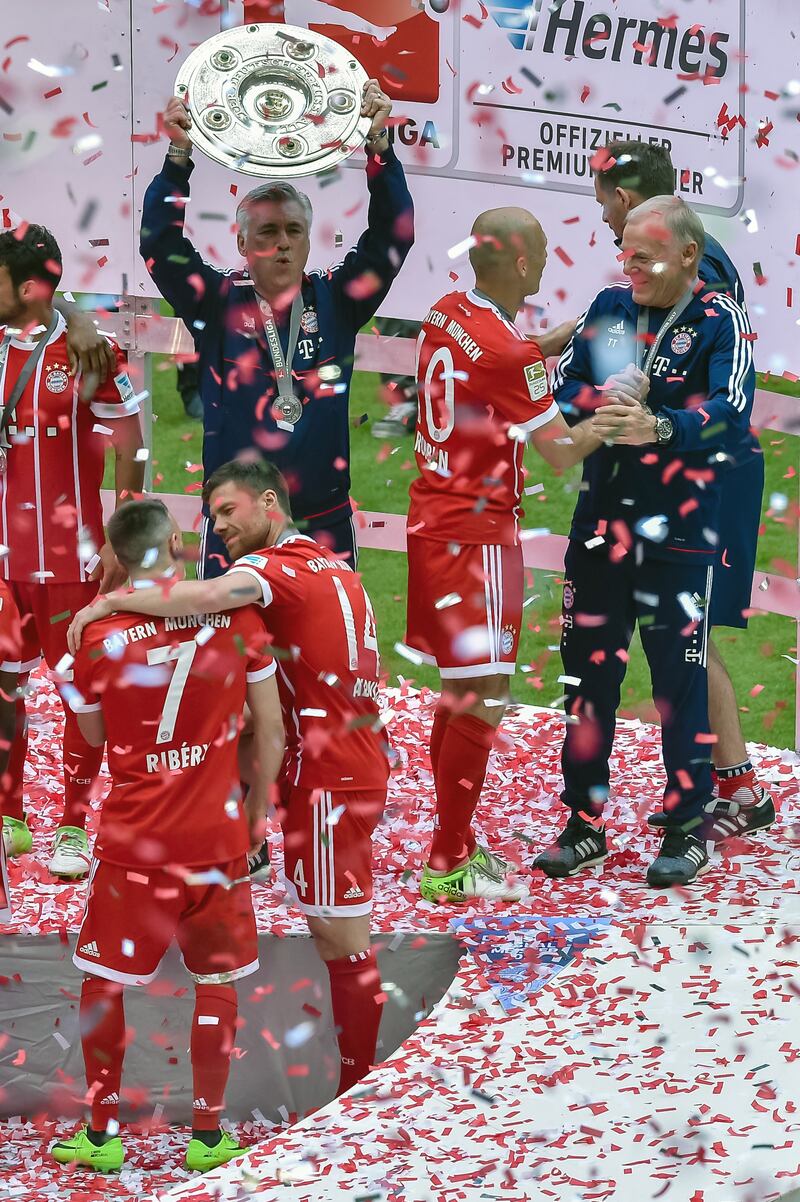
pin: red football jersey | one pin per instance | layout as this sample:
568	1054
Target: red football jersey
323	635
51	516
482	387
171	691
10	631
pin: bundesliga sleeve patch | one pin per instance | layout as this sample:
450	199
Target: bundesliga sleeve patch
256	561
124	387
536	379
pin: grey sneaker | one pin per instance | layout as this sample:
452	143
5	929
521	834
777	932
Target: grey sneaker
681	859
580	845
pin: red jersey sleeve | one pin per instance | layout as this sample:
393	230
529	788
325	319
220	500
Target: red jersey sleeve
117	396
10	632
273	576
255	645
516	385
82	695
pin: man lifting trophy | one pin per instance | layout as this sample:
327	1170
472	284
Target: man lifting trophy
275	343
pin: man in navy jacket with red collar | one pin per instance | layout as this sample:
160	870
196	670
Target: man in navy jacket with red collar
231	315
644	538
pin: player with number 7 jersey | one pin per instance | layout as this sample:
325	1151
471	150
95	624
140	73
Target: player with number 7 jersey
334	777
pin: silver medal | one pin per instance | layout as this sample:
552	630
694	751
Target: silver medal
288	409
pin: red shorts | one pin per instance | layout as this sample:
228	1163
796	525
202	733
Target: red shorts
133	914
464	611
46	611
327	841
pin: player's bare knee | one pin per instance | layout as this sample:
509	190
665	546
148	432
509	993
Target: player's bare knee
335	938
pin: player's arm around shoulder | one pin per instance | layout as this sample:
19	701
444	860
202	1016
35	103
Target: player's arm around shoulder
169	600
89	351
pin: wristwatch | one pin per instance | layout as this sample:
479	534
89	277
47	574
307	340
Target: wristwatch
373	140
665	430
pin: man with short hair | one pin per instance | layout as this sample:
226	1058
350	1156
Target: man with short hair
51	518
170	855
483	393
333	785
276	344
644	538
630	173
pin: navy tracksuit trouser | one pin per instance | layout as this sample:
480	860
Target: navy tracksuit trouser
602	603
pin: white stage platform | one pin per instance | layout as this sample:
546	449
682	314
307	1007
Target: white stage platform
601	1041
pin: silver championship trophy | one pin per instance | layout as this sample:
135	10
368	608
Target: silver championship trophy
274	100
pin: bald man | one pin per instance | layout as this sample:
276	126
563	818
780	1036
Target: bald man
483	394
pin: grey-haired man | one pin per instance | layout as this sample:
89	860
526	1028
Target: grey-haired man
276	344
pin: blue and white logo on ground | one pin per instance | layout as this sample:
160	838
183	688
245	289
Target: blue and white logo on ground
520	955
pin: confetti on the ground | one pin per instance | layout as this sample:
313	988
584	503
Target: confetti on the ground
591	1049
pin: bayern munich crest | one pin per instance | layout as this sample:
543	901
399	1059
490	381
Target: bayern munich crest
309	322
507	640
56	380
683	340
569	597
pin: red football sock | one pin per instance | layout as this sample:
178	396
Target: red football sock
81	767
213	1033
461	772
441	716
738	783
11	782
102	1023
357	999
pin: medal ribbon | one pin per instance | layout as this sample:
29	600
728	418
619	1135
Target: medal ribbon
643	328
282	363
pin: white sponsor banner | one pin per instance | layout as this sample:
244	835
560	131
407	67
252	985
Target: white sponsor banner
496	102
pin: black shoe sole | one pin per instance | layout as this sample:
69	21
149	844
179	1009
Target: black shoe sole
556	873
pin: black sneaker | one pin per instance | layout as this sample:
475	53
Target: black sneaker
260	870
578	846
682	858
729	819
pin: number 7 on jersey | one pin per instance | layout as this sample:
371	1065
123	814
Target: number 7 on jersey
182	654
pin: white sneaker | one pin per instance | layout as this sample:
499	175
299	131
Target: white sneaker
472	881
71	859
492	861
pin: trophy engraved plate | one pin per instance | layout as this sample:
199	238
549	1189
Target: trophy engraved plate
274	100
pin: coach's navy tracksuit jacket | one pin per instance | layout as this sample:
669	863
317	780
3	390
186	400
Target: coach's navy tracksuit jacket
651	515
237	379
